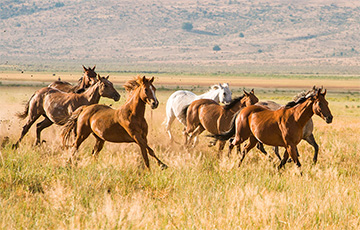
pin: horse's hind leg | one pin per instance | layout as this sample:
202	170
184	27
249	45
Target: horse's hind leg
26	128
252	143
82	135
169	120
98	146
311	140
39	127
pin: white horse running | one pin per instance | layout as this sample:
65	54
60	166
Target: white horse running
183	98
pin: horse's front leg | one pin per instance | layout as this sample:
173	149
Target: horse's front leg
142	142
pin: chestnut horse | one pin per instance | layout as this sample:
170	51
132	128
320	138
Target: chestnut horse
282	127
206	114
181	99
84	82
307	130
126	124
56	106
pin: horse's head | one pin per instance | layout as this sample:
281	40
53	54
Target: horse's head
106	88
321	105
89	78
223	92
249	98
147	92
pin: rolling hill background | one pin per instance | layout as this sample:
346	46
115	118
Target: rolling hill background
183	35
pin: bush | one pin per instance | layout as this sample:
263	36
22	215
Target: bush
187	26
241	35
216	48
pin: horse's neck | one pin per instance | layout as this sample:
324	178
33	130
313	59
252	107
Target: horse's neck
303	112
92	94
212	94
134	105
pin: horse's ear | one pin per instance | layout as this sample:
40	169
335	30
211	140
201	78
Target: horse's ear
246	93
324	93
214	87
252	91
93	68
151	80
143	79
107	77
84	68
318	92
98	77
221	87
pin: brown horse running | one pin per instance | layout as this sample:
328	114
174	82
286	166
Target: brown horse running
85	82
282	127
206	114
56	106
307	134
126	124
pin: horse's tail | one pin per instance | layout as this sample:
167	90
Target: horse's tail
24	114
182	114
70	126
228	134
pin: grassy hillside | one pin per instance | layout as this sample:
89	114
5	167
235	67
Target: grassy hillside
137	34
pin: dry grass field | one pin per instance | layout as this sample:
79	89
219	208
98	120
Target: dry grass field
38	190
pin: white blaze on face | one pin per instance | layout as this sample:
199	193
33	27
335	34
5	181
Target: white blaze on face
152	90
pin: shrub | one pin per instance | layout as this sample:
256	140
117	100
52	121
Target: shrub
216	48
187	26
241	35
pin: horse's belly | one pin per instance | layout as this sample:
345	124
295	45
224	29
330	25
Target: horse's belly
112	132
267	133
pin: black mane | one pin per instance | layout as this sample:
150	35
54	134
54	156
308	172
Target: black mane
298	101
233	102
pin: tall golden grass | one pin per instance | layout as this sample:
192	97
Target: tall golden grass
198	190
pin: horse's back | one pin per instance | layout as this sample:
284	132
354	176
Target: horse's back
62	85
272	105
178	101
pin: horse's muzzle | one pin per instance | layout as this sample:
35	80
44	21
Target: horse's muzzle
116	97
154	104
329	119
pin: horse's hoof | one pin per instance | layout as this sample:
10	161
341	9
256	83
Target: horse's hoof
164	166
15	146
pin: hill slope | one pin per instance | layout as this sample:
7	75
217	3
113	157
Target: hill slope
142	32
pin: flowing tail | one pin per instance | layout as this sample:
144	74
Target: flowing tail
70	126
228	134
183	113
24	114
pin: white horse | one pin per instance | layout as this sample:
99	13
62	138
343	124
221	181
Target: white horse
182	98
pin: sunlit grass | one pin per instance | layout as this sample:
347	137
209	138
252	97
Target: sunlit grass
38	189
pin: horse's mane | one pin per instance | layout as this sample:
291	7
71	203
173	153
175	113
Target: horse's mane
132	84
301	97
233	102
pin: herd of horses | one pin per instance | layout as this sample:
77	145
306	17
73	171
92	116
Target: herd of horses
244	118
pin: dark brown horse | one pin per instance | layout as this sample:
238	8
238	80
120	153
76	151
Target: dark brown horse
56	106
282	127
126	124
206	114
307	130
85	82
